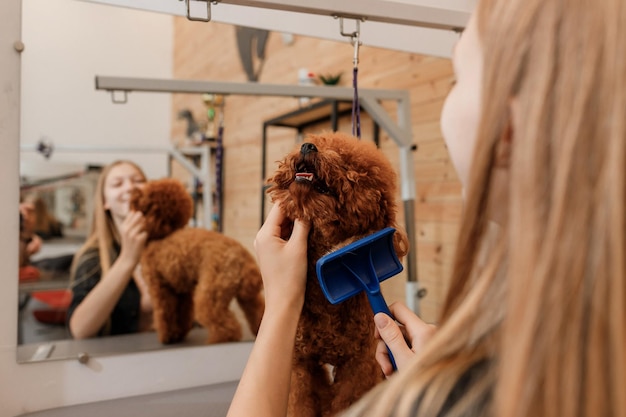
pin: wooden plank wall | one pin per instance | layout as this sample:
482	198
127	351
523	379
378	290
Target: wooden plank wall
208	51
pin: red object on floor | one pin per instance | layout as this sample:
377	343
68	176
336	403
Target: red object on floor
29	273
58	300
50	316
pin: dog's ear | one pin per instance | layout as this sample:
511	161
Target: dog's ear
400	243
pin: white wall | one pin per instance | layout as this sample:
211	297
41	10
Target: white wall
68	43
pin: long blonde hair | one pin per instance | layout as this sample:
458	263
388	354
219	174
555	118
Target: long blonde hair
542	318
103	233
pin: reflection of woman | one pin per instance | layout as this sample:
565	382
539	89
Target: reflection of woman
46	225
31	241
534	323
109	295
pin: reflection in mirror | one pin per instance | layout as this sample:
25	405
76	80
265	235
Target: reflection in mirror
55	208
68	132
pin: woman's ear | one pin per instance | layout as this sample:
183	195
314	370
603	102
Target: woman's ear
502	157
504	146
497	205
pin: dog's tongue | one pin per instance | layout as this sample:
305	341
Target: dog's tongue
304	176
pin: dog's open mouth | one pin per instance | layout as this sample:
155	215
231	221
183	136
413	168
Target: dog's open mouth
305	173
304	176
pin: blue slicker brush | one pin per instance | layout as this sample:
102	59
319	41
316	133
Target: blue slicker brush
361	266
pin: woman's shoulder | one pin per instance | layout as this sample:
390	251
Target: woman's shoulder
87	261
88	254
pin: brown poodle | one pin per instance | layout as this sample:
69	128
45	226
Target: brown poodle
193	273
346	189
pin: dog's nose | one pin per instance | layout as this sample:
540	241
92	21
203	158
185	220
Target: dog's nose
307	147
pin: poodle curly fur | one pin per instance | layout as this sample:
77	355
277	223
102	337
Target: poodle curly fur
194	274
346	189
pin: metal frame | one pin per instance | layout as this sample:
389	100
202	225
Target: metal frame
416	26
394	13
399	131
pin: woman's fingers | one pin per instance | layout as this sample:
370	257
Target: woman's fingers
300	233
133	235
403	314
382	357
133	224
418	332
393	338
274	220
280	247
405	336
271	227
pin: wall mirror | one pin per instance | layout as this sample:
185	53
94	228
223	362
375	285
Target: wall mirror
68	130
67	125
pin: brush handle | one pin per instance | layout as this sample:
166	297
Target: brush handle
378	304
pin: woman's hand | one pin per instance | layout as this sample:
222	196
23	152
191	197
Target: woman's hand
91	314
34	245
282	259
133	237
403	340
264	386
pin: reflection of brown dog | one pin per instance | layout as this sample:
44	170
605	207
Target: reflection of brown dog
194	273
346	189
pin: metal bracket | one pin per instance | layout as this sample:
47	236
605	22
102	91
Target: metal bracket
354	37
122	100
208	10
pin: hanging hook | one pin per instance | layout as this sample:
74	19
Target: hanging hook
122	100
353	34
221	100
356	42
208	11
354	37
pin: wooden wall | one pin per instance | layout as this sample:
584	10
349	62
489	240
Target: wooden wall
209	52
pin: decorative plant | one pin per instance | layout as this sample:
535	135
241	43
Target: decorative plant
330	79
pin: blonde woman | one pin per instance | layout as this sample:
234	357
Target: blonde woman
109	295
31	241
534	323
46	225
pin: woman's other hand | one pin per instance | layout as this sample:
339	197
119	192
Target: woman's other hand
34	245
282	259
403	339
281	252
133	237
